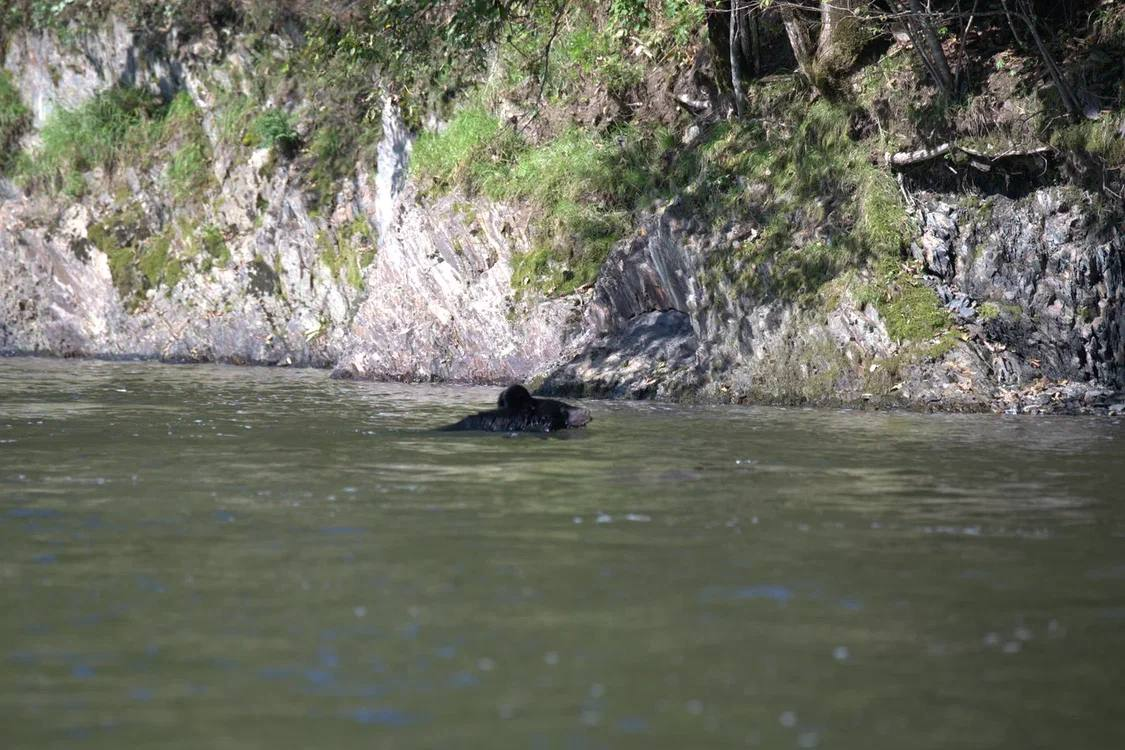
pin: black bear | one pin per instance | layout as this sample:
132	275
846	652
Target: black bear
518	411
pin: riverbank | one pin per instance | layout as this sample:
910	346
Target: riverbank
222	209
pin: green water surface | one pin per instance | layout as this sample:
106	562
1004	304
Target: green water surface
216	557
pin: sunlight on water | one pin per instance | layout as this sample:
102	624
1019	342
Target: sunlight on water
221	557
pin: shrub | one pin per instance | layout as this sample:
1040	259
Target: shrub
274	128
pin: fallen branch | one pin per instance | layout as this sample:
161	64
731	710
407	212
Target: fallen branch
1004	154
907	158
695	106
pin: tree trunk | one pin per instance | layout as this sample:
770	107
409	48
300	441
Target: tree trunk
734	41
1066	92
799	41
926	44
756	44
748	40
718	34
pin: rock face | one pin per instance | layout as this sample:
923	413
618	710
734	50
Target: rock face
391	284
437	302
441	305
1035	283
1039	280
50	73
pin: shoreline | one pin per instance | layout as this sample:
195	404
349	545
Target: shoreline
1111	403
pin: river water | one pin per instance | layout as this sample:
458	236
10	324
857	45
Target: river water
213	557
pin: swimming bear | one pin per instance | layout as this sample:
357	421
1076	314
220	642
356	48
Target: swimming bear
518	411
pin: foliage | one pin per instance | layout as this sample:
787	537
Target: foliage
14	119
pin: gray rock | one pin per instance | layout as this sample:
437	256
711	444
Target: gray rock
651	356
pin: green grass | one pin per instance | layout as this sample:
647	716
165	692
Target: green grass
93	135
472	148
14	119
586	187
122	126
581	195
820	205
189	169
582	188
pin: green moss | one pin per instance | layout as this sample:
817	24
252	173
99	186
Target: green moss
1098	138
910	309
214	244
944	344
912	312
120	236
138	261
812	370
349	252
159	264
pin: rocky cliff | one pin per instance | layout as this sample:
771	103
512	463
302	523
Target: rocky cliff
377	278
